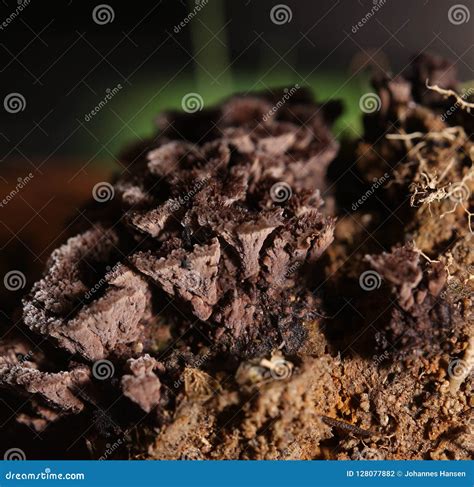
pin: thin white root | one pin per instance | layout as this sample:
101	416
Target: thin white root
447	93
416	249
449	133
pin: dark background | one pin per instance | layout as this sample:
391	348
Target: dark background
62	63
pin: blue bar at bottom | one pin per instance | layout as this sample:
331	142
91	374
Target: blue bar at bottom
237	473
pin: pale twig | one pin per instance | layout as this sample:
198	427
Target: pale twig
413	135
449	133
447	93
419	251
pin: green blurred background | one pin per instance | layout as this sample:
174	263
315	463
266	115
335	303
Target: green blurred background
63	62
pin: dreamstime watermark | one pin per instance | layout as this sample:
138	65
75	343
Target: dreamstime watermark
103	192
370	103
459	14
21	183
14	454
458	289
192	103
199	5
111	448
378	359
466	94
277	368
103	369
109	94
370	280
103	14
14	103
20	7
46	475
378	4
259	372
280	192
291	270
181	201
22	358
101	282
376	184
281	14
288	93
14	280
281	369
104	423
459	192
459	368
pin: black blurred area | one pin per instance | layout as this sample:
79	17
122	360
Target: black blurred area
56	56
